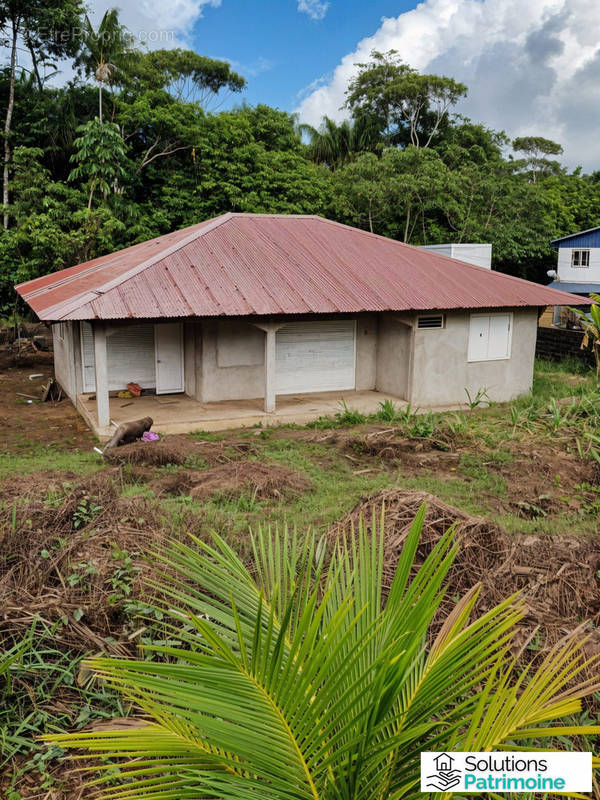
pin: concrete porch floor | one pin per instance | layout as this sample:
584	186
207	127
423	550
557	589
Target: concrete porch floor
178	413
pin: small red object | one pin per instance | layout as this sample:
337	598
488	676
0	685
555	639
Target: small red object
135	389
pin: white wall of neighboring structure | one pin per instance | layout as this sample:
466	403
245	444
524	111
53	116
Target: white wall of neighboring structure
478	254
571	274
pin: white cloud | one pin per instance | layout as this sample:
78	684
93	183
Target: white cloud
156	23
316	9
153	23
532	66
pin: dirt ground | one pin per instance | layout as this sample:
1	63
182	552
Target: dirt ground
73	545
24	424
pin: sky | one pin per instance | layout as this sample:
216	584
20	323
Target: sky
532	66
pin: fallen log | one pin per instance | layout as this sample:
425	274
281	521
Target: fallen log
129	432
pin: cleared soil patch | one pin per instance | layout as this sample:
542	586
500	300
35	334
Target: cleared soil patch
24	423
78	559
557	575
179	451
261	481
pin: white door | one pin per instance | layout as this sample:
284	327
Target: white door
168	351
316	356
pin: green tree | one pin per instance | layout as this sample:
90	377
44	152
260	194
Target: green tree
536	150
187	76
99	152
590	322
105	52
52	228
397	194
411	108
294	680
334	145
47	26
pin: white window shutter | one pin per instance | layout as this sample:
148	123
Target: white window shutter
489	337
479	331
499	336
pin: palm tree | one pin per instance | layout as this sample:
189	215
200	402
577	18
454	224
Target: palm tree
335	145
295	681
104	51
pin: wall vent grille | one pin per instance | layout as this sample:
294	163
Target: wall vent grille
431	321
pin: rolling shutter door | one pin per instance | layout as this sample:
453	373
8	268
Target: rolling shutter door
87	357
130	354
315	356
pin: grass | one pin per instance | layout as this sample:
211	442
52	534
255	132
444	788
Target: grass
41	459
562	413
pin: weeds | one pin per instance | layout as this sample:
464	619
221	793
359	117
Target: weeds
85	512
423	427
478	399
348	416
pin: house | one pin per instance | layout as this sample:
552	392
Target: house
578	268
443	762
253	318
478	254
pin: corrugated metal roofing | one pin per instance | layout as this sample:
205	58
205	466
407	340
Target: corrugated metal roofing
262	264
586	232
575	288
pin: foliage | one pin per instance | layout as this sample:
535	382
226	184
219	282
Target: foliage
295	680
334	145
98	154
590	322
409	107
162	156
105	52
184	74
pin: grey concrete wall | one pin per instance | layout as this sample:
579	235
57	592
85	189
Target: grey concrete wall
192	339
231	366
65	356
441	372
393	355
366	352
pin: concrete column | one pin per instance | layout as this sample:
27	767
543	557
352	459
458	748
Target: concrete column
270	329
270	370
101	369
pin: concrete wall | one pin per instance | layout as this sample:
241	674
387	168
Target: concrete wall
441	372
224	359
393	355
366	352
66	356
231	366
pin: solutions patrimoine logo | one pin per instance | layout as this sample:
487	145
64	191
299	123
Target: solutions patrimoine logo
552	771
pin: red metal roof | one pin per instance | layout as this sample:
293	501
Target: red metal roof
260	264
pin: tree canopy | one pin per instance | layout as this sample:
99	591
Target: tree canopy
136	146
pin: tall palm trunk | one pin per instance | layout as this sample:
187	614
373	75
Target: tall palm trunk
100	102
9	114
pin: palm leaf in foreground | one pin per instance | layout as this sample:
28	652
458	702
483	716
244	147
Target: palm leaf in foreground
296	681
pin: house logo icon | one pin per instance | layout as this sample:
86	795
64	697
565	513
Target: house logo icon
445	776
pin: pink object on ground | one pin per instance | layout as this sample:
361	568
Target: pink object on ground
150	436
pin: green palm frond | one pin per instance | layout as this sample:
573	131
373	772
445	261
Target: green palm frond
296	681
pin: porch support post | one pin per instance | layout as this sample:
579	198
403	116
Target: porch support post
101	369
270	329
